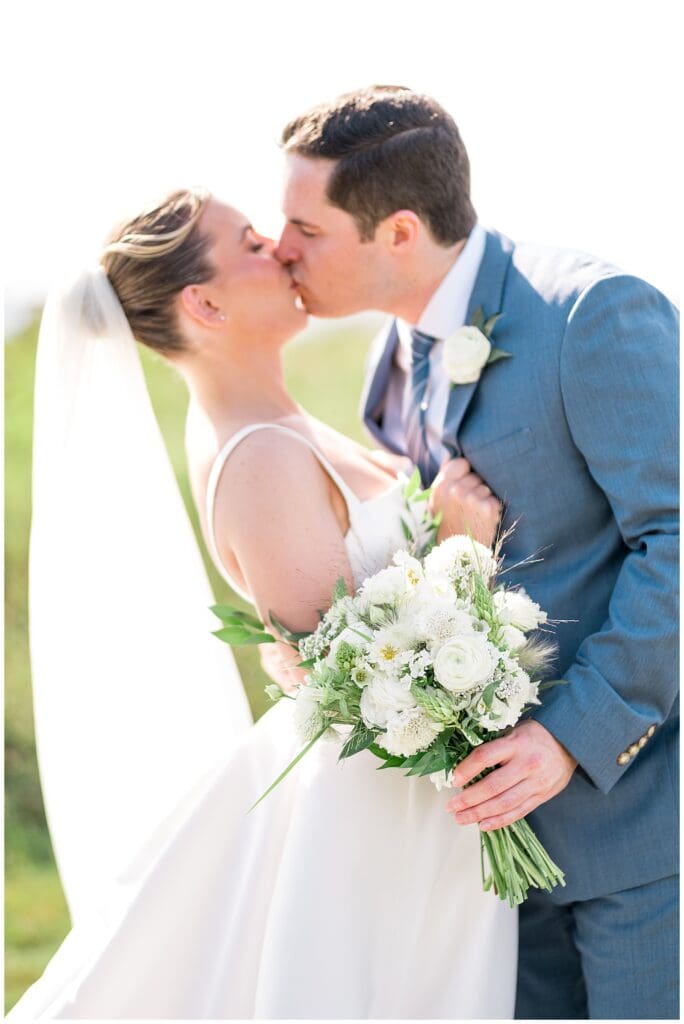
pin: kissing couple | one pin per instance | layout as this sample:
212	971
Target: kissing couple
352	893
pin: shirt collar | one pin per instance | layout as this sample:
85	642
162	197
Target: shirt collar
448	307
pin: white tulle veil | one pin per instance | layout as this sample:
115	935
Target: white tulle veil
134	700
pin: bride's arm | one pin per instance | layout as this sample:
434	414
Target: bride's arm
274	513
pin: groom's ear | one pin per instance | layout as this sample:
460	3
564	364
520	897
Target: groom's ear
199	308
400	231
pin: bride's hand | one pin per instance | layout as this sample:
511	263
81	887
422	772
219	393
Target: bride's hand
280	662
466	502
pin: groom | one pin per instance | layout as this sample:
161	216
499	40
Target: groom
575	431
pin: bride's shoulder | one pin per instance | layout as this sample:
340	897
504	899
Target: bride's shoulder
268	469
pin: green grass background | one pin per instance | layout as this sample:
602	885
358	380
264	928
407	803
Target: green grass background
324	371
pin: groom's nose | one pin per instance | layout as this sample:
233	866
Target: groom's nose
285	251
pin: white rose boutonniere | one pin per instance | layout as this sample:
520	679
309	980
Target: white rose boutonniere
469	349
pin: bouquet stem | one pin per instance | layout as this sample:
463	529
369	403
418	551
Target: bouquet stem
517	860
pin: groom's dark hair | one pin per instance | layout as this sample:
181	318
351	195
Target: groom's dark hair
395	150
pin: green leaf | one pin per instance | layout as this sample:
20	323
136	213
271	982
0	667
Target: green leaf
289	768
469	733
478	319
238	636
407	532
489	324
496	354
359	739
413	484
389	760
340	590
548	683
233	615
488	693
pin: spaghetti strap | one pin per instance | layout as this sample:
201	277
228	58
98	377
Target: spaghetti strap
215	474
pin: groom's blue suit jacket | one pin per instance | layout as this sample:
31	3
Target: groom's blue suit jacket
577	434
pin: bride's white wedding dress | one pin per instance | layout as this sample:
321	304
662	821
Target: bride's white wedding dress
348	893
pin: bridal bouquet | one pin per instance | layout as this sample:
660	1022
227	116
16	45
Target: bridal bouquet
430	658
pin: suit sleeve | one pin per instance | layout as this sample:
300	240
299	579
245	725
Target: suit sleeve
619	378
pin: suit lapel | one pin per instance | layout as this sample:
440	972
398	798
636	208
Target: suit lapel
486	293
377	382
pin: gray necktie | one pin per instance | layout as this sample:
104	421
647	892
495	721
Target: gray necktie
415	423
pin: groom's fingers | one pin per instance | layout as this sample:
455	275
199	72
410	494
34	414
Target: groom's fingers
486	756
521	811
486	789
504	803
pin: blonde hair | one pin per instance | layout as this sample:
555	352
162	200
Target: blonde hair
151	258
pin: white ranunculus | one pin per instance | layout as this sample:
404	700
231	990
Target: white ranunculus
383	698
465	662
408	732
466	351
516	608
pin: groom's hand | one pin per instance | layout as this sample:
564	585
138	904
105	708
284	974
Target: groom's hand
534	767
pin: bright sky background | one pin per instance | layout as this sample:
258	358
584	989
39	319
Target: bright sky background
568	109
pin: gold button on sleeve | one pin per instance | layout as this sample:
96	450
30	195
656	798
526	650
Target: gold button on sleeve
634	749
643	741
651	730
623	758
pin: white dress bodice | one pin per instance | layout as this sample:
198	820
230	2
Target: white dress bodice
374	532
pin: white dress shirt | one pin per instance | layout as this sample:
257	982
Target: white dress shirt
445	313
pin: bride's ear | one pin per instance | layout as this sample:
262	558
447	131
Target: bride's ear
199	308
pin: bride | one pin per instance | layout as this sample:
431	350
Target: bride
348	893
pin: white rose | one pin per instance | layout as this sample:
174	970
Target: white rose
466	351
383	698
516	608
409	732
464	662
